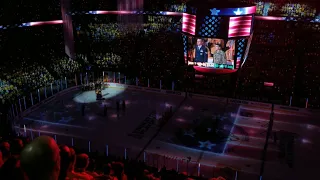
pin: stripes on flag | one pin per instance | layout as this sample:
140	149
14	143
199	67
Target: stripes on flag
240	26
189	23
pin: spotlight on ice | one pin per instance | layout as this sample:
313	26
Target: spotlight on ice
188	108
90	96
167	105
91	117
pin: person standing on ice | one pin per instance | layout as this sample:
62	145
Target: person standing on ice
118	108
118	105
124	105
83	107
105	110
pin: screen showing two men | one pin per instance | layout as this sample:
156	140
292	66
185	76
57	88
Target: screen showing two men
211	53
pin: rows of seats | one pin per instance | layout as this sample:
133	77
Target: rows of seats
271	59
42	158
285	8
85	5
310	45
16	12
282	53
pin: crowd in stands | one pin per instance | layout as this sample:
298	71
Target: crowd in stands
107	60
33	75
298	10
43	158
64	67
84	5
285	8
111	31
7	91
276	45
146	51
272	49
282	53
141	48
310	47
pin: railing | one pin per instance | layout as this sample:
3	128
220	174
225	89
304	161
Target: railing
44	95
33	99
39	96
192	168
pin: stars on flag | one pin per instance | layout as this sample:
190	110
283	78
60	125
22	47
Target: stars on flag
238	12
190	133
193	10
214	12
206	144
65	119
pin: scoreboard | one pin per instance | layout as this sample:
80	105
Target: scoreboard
217	36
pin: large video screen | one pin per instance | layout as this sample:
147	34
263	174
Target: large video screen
211	53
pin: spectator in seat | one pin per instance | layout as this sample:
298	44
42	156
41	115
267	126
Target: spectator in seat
65	159
82	162
1	160
108	172
118	171
16	147
40	160
5	149
71	175
91	168
148	175
11	170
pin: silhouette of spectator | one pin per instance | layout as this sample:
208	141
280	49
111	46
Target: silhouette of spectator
5	149
91	168
123	105
64	161
118	170
11	170
105	110
118	106
82	162
1	160
16	147
40	160
70	171
83	108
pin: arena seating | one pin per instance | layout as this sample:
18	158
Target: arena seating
285	53
280	53
17	162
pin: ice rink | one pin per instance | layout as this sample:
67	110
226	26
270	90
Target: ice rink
240	143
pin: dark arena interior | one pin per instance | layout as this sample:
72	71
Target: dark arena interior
159	89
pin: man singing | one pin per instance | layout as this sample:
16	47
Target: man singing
201	52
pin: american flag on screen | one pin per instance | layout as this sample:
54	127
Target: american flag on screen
240	26
189	23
